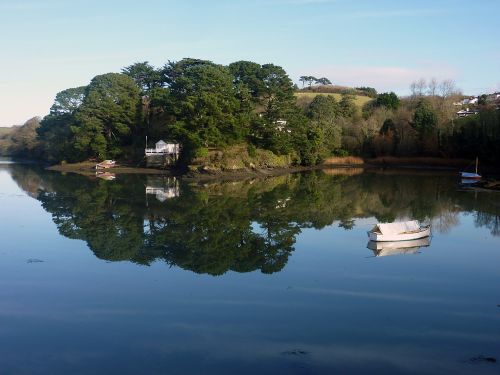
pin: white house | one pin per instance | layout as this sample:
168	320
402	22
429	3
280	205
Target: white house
466	112
164	148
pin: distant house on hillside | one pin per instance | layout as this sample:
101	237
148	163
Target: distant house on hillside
467	112
470	101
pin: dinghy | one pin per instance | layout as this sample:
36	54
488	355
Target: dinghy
105	164
402	231
470	175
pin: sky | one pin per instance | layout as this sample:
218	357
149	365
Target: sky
50	45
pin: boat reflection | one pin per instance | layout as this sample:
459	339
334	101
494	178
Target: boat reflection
105	176
468	181
382	249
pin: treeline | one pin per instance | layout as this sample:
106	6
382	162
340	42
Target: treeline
21	141
424	124
203	105
195	102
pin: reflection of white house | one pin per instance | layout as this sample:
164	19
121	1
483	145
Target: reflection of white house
164	148
163	188
162	194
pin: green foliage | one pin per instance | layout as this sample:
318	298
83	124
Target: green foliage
68	101
389	100
21	141
277	92
252	150
144	75
307	79
202	152
387	126
249	75
205	104
323	81
476	136
369	91
324	112
424	118
347	105
54	133
108	116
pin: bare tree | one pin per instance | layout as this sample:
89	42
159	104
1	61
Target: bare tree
418	87
448	88
432	87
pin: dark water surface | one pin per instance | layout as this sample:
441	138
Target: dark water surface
257	277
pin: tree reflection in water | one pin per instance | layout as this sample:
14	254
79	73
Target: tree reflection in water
241	226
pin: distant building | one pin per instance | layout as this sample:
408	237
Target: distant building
164	148
470	101
467	112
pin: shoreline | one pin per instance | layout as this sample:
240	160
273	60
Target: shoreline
403	163
87	169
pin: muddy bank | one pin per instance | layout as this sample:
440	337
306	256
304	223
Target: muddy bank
334	165
88	169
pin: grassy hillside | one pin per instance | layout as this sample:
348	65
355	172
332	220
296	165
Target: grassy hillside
4	131
304	98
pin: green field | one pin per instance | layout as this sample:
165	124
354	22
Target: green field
304	98
4	131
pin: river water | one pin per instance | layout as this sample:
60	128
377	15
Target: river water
148	275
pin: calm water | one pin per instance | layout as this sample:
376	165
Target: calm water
257	277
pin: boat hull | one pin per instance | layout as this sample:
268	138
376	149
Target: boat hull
425	232
470	176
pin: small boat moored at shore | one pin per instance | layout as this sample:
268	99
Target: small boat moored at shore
401	231
470	175
105	164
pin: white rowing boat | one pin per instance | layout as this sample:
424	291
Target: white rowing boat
401	231
470	175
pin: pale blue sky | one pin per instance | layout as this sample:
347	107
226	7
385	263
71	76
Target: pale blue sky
50	45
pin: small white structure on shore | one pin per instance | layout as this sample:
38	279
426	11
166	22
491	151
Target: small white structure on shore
164	148
164	155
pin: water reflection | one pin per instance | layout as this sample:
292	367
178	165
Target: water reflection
108	176
382	249
163	187
242	226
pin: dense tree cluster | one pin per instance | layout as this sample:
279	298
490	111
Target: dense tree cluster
423	124
310	80
195	102
21	141
204	105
